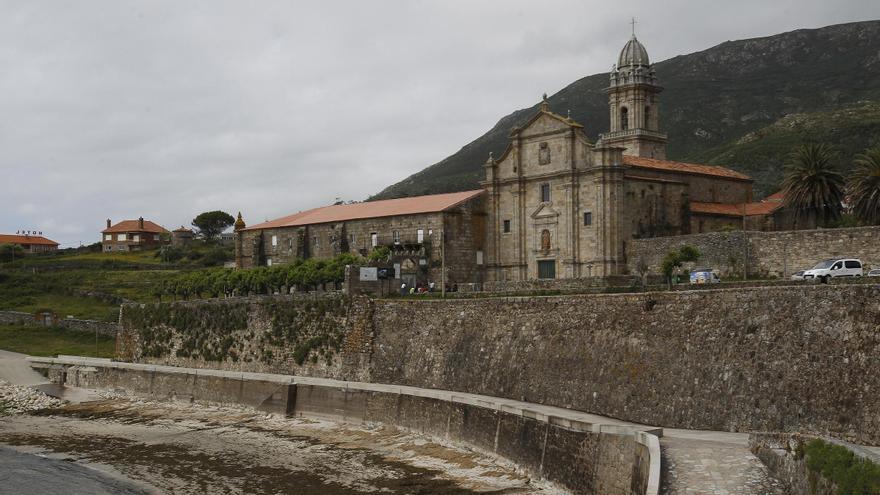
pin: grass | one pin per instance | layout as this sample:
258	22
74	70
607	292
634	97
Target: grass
63	305
852	475
49	341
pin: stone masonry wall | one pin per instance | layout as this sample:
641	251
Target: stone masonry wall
774	358
766	253
769	359
20	318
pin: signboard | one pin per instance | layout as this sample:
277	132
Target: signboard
369	274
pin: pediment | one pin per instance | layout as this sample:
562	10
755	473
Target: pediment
545	211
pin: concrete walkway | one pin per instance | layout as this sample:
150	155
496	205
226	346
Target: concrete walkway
713	462
15	369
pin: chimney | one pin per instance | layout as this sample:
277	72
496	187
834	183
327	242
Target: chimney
141	223
108	223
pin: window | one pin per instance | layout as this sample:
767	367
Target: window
852	264
315	241
120	237
155	237
547	269
507	226
624	119
647	117
588	218
108	237
268	261
837	266
136	238
352	239
396	235
420	236
545	193
374	239
479	257
274	240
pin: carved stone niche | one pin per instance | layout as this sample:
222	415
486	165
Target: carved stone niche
545	240
543	154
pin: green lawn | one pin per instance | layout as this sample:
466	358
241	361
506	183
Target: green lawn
47	342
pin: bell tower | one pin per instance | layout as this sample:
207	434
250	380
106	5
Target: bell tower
633	104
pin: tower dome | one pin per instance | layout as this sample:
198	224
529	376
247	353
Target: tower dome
633	53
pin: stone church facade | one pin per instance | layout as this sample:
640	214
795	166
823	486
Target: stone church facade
561	206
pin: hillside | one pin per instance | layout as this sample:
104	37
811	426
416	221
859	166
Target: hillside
712	100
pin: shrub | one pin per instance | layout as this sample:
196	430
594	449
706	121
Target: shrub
852	475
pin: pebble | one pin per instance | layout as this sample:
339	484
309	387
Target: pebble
16	399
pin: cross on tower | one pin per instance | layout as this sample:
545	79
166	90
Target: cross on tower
633	23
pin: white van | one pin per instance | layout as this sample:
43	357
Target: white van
840	267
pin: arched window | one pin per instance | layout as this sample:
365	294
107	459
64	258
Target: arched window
647	117
624	119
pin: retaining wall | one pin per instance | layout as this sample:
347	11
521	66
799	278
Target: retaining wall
764	253
783	454
554	445
49	319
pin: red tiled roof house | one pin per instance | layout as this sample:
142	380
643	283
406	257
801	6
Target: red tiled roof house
132	235
30	243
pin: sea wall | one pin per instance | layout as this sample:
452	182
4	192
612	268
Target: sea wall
577	456
773	358
762	253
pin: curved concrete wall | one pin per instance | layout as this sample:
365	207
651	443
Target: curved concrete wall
567	448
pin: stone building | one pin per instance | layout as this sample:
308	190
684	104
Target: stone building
562	206
418	231
182	237
132	235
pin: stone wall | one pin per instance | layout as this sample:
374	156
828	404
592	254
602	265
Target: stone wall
772	359
775	358
783	454
51	320
765	253
273	334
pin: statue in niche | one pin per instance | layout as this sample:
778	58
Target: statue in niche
545	240
544	154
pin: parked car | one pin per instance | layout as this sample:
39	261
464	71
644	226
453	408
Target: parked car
837	267
874	273
704	276
798	275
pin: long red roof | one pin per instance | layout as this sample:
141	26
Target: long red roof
682	167
26	240
371	209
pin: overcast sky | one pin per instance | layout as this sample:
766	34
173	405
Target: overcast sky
166	109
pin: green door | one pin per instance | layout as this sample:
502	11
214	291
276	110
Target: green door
547	269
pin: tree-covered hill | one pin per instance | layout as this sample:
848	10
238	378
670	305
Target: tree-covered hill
728	105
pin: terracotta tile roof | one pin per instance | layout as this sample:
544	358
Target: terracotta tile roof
181	229
681	167
371	209
26	239
132	226
735	209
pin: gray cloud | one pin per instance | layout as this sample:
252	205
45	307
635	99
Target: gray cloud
166	109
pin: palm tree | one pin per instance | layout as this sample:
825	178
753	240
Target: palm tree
813	186
863	186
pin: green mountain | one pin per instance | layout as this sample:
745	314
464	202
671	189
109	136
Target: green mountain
743	104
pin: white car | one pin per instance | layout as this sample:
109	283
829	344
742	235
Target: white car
839	267
874	273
